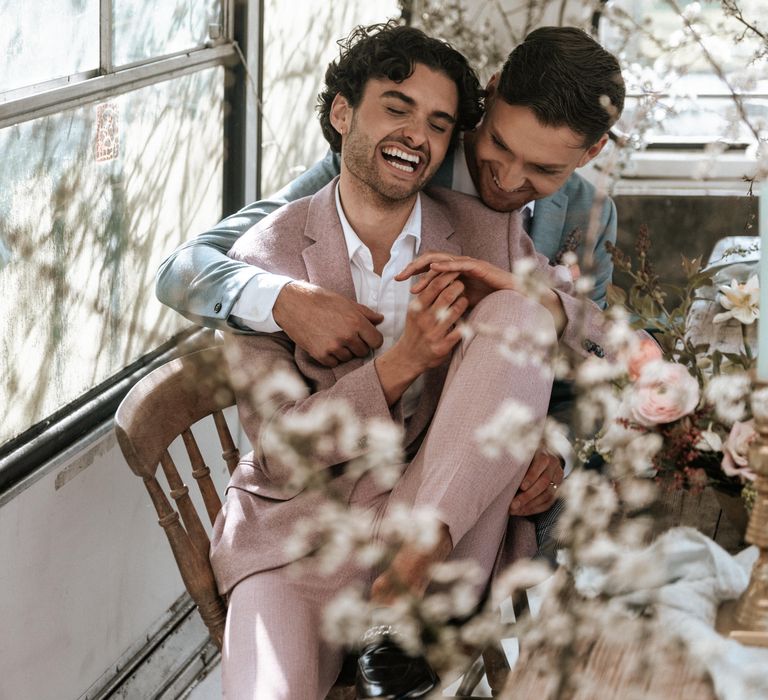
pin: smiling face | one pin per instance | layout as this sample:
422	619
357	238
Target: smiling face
514	159
395	139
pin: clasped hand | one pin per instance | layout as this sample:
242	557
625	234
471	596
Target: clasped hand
480	278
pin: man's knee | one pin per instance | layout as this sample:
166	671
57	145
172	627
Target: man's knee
507	307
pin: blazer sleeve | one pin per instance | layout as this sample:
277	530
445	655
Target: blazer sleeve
583	332
254	359
198	279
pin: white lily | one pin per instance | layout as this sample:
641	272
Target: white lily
740	301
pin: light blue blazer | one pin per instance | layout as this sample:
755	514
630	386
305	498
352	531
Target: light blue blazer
200	282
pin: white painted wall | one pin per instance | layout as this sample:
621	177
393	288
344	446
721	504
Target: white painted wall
85	570
299	42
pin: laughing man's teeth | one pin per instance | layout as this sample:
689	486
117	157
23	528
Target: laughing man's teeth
400	166
390	151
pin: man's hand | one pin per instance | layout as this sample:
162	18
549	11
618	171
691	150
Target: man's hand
330	327
428	338
480	278
539	487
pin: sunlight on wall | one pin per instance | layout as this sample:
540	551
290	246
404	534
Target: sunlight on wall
299	41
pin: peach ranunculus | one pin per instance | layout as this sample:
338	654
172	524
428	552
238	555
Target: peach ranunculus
736	450
647	351
663	392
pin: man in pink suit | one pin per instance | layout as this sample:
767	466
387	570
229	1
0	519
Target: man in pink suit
392	105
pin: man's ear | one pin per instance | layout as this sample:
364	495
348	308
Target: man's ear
593	151
341	114
492	84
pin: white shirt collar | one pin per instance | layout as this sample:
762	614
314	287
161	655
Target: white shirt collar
412	227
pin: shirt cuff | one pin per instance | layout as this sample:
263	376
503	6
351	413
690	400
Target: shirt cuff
253	308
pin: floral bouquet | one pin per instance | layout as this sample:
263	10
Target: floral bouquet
679	405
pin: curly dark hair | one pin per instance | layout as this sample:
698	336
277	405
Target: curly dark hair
391	51
567	79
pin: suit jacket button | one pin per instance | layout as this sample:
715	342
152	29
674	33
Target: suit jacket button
217	308
594	348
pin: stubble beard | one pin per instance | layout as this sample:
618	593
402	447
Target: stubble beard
360	158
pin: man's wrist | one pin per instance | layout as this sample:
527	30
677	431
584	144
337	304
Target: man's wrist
396	372
255	303
283	299
555	307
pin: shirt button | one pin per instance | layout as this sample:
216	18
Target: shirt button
217	307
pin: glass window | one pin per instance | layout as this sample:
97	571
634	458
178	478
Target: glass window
144	28
91	201
47	39
676	93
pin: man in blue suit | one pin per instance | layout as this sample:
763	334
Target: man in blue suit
547	113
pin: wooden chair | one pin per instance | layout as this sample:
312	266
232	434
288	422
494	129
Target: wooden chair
159	408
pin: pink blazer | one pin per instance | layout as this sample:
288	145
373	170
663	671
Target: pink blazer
304	240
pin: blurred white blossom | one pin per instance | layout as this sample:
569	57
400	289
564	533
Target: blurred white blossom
728	395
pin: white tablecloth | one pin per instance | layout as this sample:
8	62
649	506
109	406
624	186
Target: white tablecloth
685	576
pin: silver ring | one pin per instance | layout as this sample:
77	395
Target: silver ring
553	485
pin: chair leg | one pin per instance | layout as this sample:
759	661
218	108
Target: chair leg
496	667
472	676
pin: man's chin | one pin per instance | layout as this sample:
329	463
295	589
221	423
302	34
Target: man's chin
499	201
399	192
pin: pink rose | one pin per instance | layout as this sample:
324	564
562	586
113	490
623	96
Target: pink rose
736	450
663	392
647	351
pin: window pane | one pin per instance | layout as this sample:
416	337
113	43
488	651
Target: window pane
693	120
91	201
147	29
663	59
47	39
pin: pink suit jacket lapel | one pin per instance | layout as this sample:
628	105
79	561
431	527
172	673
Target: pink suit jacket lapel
326	257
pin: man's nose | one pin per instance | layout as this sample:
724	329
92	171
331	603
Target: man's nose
415	132
511	176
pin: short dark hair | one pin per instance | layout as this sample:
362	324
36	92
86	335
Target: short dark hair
565	76
392	51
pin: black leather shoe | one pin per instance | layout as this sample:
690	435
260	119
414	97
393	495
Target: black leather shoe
385	671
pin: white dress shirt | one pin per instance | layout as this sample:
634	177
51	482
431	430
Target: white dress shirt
383	294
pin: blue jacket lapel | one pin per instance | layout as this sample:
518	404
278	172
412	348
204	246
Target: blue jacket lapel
548	222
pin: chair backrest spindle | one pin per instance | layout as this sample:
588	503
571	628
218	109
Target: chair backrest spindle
202	475
230	454
180	494
161	407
